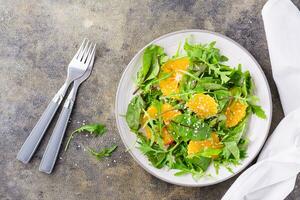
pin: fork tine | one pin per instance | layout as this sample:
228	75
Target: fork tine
87	53
82	53
81	48
91	57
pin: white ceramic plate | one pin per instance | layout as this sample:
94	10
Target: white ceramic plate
258	128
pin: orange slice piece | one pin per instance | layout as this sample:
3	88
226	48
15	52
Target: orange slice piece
148	132
176	65
203	105
167	137
170	86
168	113
196	146
235	112
151	114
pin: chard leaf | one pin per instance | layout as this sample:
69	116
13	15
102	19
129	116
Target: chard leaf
189	127
151	63
134	112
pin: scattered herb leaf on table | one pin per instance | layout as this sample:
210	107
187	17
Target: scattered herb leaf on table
93	129
106	152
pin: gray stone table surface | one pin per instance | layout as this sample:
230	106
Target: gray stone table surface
37	40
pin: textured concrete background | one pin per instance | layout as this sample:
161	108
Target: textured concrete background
38	39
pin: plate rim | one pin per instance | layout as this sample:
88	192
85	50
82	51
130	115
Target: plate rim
243	49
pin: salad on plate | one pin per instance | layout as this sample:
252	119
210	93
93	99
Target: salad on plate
191	110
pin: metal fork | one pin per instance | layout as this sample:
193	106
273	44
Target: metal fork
76	69
52	149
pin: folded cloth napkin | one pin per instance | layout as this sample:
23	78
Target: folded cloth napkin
273	176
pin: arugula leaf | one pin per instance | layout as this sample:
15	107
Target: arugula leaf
241	80
247	83
170	160
258	111
233	148
156	155
200	162
211	86
210	56
236	133
106	152
242	145
94	129
223	97
134	112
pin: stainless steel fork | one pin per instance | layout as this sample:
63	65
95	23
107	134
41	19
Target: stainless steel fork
52	149
76	69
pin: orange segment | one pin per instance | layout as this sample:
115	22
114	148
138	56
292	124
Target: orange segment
235	112
203	105
148	132
176	65
170	85
168	113
167	137
196	146
151	113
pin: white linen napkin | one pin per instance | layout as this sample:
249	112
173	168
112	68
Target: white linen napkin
273	176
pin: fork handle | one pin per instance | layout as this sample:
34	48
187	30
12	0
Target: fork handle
52	149
30	145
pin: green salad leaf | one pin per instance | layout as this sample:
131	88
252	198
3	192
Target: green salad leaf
152	59
233	148
210	56
93	129
134	112
258	111
189	127
106	152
